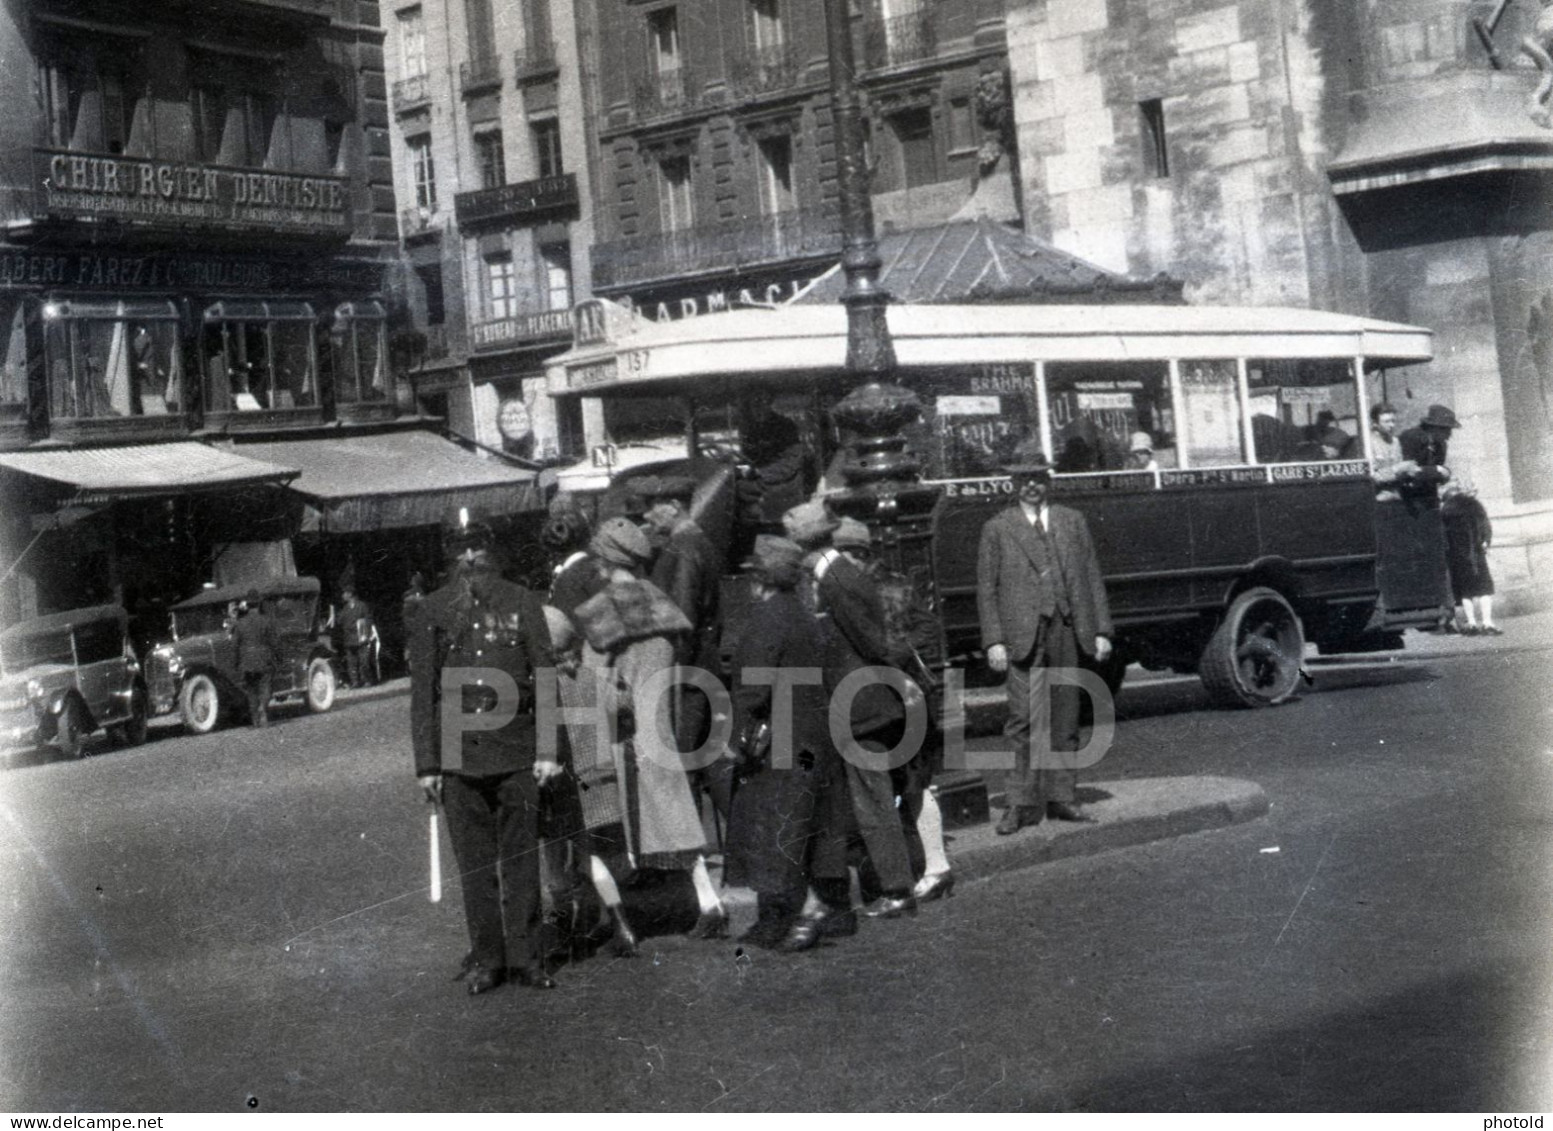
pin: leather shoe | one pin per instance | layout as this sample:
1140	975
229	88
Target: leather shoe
838	924
711	925
892	907
483	979
802	935
534	977
1067	811
934	887
1016	817
465	964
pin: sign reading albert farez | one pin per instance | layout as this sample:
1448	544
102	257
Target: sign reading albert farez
134	189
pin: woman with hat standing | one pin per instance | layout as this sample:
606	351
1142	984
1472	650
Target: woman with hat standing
630	627
1468	534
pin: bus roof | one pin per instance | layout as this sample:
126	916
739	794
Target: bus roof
811	340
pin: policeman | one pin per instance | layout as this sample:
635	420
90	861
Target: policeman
488	778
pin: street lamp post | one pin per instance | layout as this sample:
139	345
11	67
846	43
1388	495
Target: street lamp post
881	476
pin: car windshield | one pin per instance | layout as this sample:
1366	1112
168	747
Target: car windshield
21	652
199	620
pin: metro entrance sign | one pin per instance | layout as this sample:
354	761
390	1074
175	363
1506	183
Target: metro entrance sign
104	186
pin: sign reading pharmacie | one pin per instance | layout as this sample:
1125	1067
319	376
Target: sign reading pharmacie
134	189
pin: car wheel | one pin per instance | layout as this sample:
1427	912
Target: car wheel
132	732
199	703
71	735
321	685
1253	659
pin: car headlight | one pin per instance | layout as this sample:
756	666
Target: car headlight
34	689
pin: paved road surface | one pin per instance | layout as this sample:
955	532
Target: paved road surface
240	920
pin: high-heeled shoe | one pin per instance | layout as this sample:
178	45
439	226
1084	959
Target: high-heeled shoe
939	885
892	907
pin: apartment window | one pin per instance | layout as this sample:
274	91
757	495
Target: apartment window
556	260
412	42
674	197
436	302
663	39
490	158
546	135
112	359
501	289
766	23
482	30
776	175
90	107
1156	156
962	126
423	172
913	132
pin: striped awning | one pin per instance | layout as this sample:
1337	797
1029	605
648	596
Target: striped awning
146	470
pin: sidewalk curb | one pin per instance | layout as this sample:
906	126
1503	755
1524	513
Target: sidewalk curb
1138	811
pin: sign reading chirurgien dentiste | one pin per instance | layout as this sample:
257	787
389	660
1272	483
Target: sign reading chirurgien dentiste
133	188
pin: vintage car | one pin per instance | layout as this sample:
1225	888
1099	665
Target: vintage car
65	676
196	672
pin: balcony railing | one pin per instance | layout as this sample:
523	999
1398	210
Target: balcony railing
715	247
517	201
907	37
667	92
521	330
765	69
417	222
535	58
479	74
412	92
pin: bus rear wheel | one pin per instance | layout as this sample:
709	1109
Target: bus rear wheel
1253	658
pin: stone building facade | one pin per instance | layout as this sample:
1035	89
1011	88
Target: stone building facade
1352	155
496	205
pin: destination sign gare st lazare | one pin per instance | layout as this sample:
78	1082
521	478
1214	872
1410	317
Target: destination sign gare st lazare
132	188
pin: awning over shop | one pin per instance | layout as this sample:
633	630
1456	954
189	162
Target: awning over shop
982	260
363	483
146	470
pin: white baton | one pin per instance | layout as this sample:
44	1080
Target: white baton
436	861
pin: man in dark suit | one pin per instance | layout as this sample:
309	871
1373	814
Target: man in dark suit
852	617
1427	444
258	651
1042	605
490	783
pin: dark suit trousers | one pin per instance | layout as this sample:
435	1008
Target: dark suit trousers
494	826
872	824
1036	709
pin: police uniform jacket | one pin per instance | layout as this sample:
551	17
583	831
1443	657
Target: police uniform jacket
477	620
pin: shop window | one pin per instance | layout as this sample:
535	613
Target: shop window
1211	425
1095	408
915	147
423	172
490	157
13	353
356	339
1303	410
111	359
546	135
258	356
501	286
556	260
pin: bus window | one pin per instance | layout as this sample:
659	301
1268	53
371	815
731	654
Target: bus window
972	417
1210	407
1096	407
1303	410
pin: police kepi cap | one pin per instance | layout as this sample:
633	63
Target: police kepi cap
1028	459
1439	416
466	528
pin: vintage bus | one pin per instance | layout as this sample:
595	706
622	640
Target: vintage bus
1256	525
